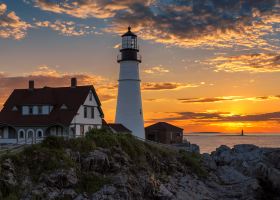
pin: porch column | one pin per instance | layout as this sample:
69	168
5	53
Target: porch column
17	136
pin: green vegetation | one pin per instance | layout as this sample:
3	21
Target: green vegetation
91	183
51	155
8	193
193	161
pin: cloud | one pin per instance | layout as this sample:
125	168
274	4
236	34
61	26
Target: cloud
46	76
227	98
3	8
11	26
205	117
199	23
193	23
166	86
88	8
255	63
67	28
156	70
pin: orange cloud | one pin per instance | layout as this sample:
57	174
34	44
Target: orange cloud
166	86
255	63
209	24
85	9
67	28
11	26
228	98
156	70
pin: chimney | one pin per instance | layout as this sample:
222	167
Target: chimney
31	85
73	82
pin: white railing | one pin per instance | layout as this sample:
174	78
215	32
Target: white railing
11	149
157	143
19	146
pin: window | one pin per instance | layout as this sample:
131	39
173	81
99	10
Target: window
25	110
45	110
85	112
90	96
21	134
63	107
36	110
14	108
39	133
92	112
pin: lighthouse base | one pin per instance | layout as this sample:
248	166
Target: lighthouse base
129	107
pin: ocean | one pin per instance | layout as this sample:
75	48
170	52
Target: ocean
209	142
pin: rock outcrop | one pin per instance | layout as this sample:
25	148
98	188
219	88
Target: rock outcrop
249	163
244	172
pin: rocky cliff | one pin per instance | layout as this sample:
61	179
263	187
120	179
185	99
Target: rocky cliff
110	166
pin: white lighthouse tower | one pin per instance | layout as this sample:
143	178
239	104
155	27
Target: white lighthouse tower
129	105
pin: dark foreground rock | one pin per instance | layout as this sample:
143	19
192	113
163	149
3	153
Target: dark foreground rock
243	172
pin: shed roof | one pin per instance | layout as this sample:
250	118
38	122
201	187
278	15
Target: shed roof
119	128
163	126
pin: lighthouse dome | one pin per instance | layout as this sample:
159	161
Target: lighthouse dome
129	33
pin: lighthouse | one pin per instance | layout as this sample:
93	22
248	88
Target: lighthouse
129	105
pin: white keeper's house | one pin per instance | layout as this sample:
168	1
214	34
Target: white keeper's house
33	113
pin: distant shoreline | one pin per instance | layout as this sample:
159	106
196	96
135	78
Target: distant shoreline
229	134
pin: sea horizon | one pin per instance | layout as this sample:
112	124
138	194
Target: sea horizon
232	133
210	142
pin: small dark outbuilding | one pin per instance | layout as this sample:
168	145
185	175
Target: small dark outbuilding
119	128
163	132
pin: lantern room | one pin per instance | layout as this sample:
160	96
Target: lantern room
129	40
129	49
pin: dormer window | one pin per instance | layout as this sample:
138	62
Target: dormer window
36	109
63	107
14	108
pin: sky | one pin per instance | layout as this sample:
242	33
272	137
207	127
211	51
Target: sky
208	65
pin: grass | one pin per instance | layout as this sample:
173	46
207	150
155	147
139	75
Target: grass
91	183
50	155
193	161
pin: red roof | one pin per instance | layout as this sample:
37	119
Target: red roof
72	97
163	126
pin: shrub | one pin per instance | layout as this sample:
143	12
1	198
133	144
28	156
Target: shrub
81	145
40	159
54	142
193	161
102	138
91	183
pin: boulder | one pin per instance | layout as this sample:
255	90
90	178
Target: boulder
7	177
208	162
107	192
60	179
163	193
68	194
97	161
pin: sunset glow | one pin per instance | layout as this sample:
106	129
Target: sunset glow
207	67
